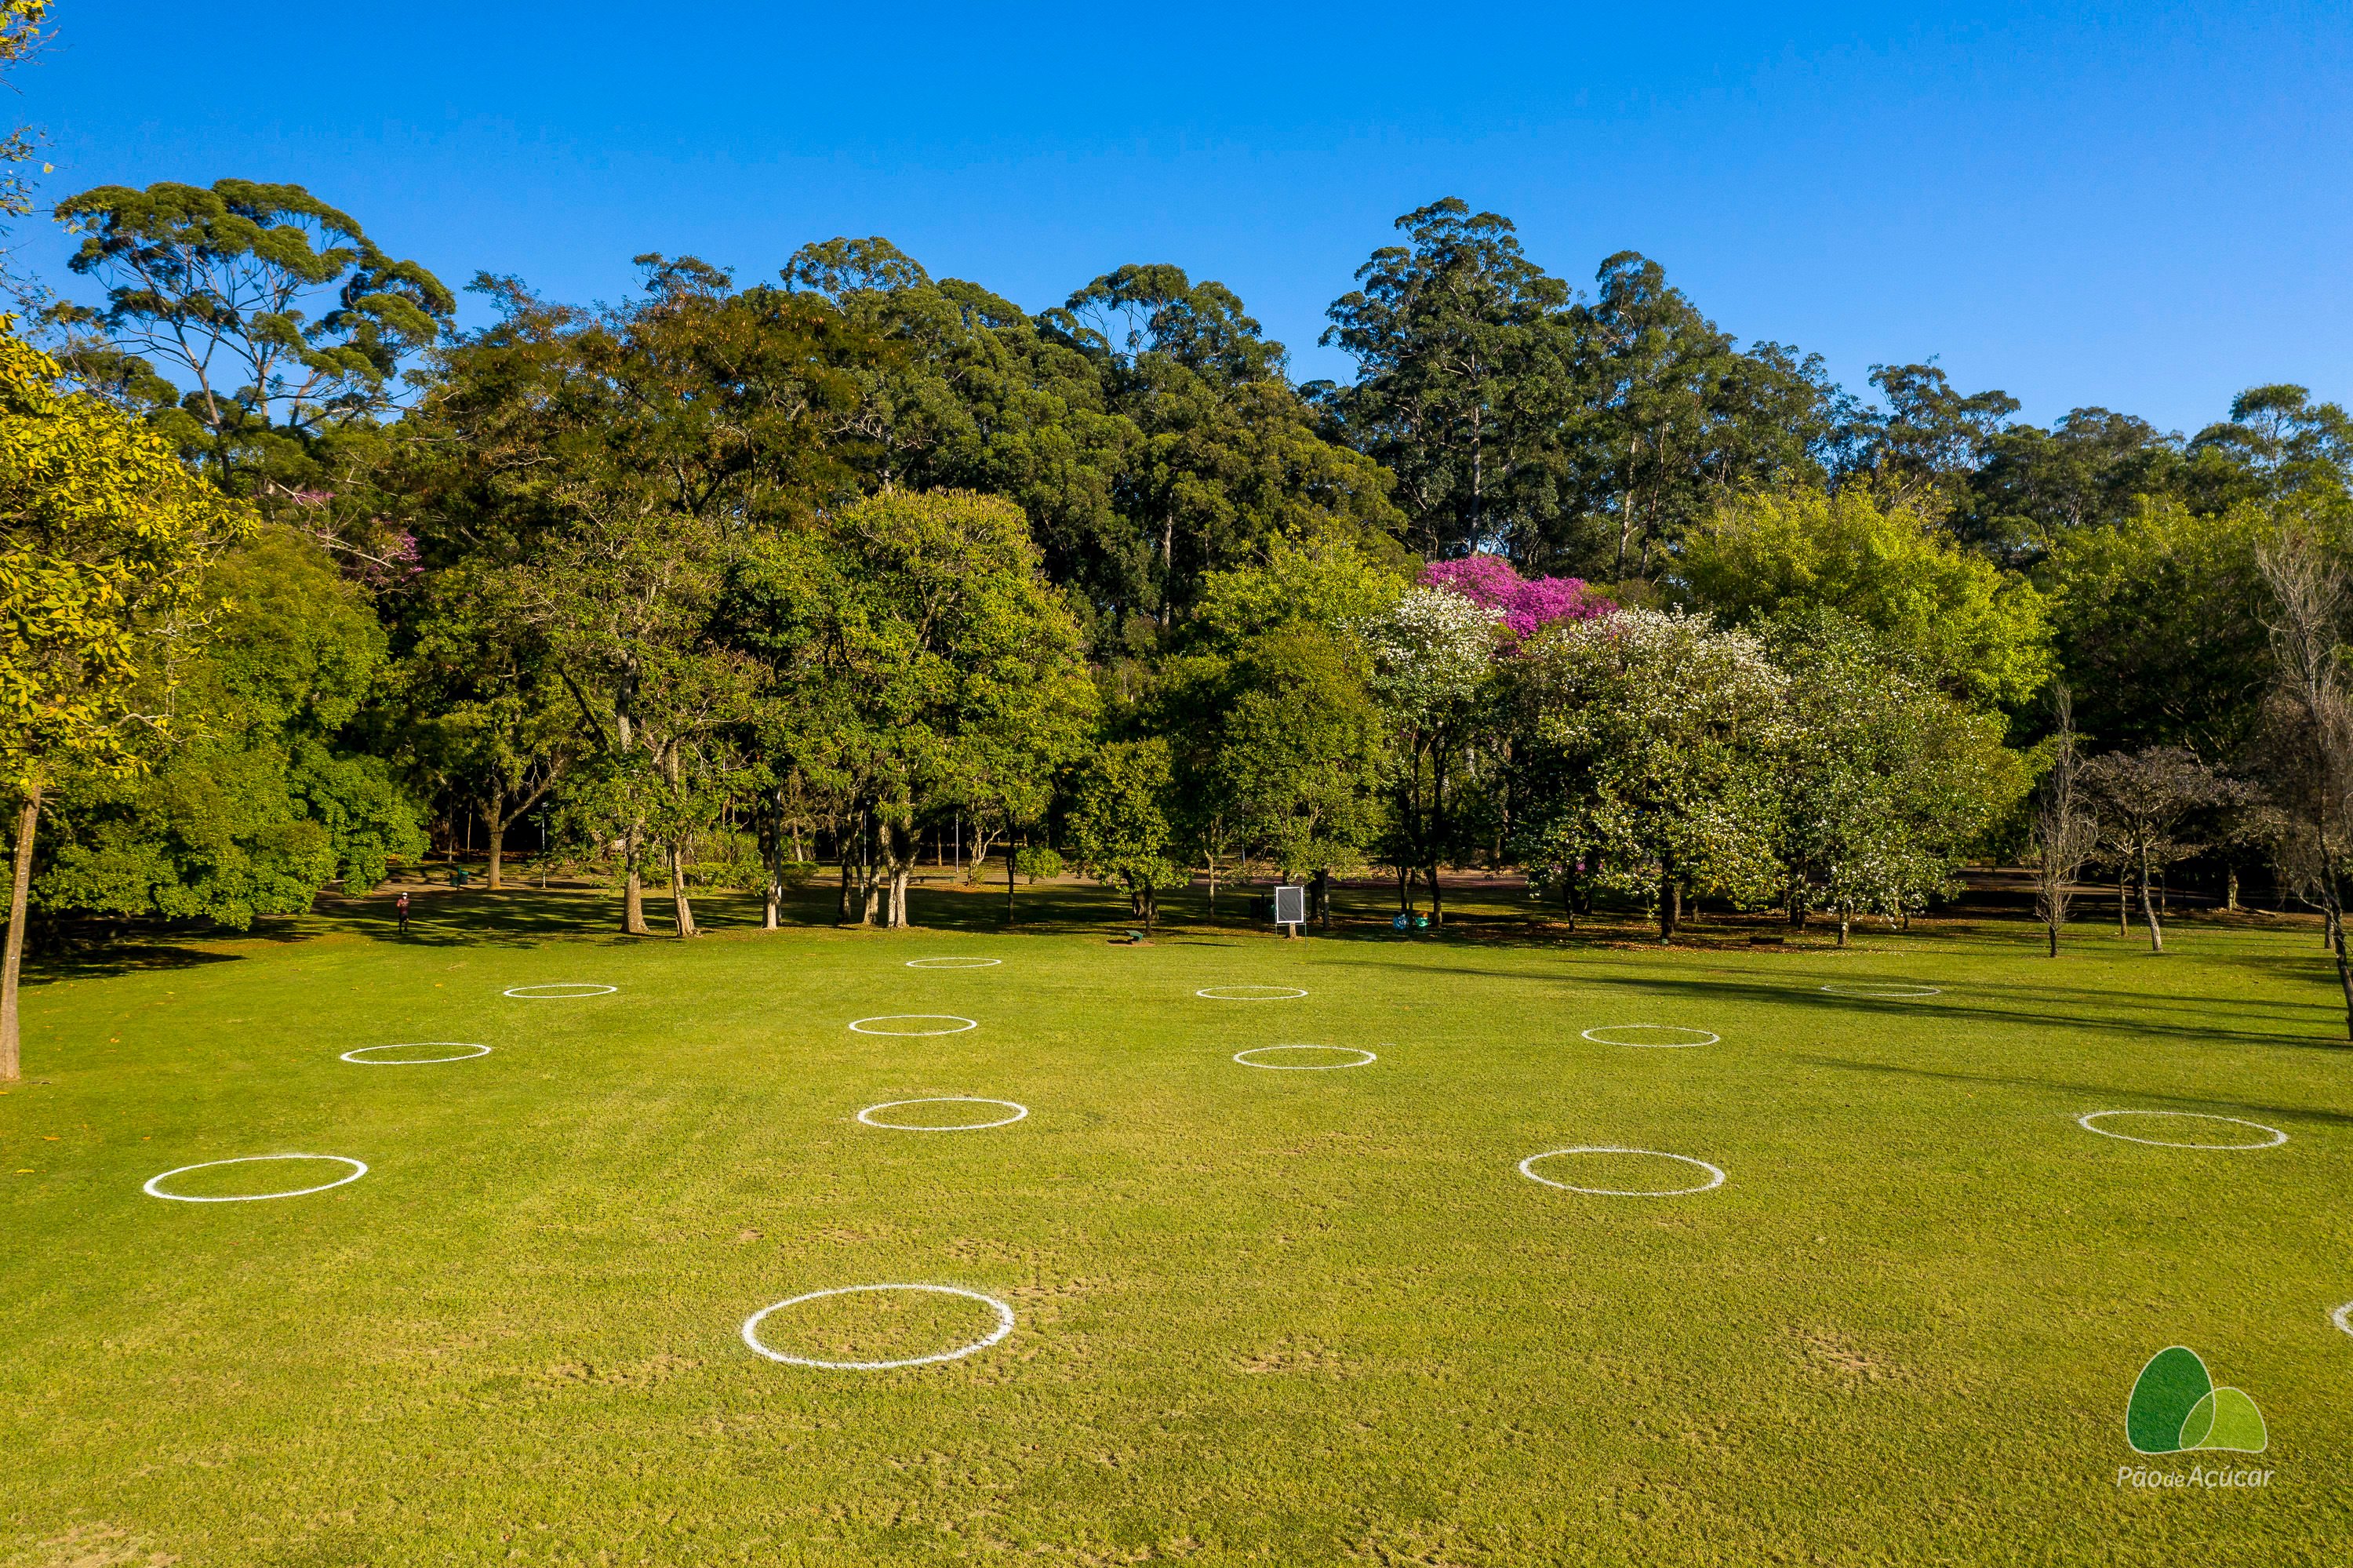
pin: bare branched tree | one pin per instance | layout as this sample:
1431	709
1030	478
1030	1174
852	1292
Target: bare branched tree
2065	830
2307	735
2144	800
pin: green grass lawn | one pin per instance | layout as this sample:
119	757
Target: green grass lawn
1280	1317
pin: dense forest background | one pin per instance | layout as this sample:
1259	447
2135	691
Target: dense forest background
739	578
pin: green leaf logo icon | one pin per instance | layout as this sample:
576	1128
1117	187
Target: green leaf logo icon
2176	1407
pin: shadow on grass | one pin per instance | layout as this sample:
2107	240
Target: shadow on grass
2110	1097
120	958
2041	1007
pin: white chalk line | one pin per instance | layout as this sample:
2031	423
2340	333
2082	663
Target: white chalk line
2343	1316
961	1024
1364	1058
1595	1036
1004	1327
1281	992
951	963
559	991
365	1060
2276	1138
152	1190
1018	1110
1715	1173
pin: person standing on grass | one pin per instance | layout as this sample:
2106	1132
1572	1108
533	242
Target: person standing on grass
403	906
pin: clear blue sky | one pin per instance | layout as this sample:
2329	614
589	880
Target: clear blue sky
2143	206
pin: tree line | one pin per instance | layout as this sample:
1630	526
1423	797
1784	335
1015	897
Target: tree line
1568	580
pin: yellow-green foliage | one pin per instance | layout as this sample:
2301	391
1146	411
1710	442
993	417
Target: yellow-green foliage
1976	629
105	530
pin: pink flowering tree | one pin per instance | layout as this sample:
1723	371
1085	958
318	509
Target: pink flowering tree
1526	605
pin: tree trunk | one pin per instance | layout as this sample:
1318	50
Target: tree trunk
681	908
1213	889
1323	897
1666	906
2148	911
492	810
1405	899
2332	908
2336	948
2124	919
1846	915
899	848
20	887
1008	874
1436	898
2230	889
2051	927
842	903
633	889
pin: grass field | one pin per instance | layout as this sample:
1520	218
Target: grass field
1268	1316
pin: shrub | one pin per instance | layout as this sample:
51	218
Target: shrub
1038	861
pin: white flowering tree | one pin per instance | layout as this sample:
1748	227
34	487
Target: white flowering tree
1647	748
1433	658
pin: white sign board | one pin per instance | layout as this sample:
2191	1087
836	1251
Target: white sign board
1290	906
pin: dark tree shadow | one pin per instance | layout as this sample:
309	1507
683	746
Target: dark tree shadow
2110	1097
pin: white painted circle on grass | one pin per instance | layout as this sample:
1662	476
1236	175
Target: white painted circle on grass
2343	1316
1364	1058
1004	1327
558	990
152	1190
2273	1141
1596	1036
858	1025
1714	1174
951	963
1885	992
1266	993
465	1053
1018	1110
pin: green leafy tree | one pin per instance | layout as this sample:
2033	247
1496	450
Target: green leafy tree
2159	621
973	393
1979	631
1931	439
1119	827
1884	785
98	570
481	704
2092	468
611	470
2291	444
1462	387
920	665
1227	458
1669	417
264	330
1274	742
255	799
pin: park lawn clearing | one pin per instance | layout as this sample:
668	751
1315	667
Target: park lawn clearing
1296	1316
